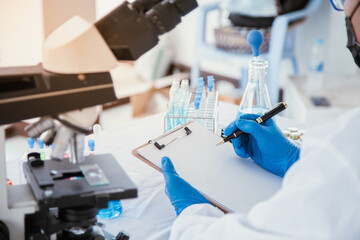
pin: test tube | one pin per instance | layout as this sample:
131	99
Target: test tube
211	83
31	144
171	105
197	105
91	146
185	93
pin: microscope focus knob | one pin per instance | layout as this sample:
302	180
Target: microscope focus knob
122	236
38	236
4	231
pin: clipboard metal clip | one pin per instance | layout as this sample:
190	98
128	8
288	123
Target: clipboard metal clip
161	146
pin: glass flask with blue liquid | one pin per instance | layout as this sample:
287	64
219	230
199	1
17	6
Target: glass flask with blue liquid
256	98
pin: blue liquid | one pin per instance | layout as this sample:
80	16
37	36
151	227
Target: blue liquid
114	210
255	110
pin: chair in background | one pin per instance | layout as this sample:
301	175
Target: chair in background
281	45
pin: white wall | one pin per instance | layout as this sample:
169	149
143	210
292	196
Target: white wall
103	7
25	23
329	25
21	33
56	12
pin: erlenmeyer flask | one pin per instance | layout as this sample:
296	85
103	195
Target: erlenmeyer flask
256	98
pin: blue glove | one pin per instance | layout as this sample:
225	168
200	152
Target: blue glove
180	192
263	143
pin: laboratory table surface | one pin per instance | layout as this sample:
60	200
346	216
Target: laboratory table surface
150	215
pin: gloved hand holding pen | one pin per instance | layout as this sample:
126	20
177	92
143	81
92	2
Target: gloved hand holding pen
263	143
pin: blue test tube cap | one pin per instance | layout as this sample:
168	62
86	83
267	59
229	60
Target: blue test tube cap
197	103
30	142
319	41
91	144
211	83
40	143
255	39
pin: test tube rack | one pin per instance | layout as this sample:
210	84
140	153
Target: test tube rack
206	115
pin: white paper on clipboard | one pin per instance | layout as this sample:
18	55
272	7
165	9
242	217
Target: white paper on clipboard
233	183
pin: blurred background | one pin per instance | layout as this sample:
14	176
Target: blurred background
182	53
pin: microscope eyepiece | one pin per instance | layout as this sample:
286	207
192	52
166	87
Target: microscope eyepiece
144	5
185	6
133	28
167	14
164	16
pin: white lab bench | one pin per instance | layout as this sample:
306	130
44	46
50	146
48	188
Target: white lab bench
150	215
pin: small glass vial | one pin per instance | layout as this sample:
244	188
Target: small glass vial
286	133
91	146
295	138
292	129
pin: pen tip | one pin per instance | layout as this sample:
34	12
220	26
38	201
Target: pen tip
219	143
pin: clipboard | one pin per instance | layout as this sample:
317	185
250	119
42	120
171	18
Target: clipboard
231	183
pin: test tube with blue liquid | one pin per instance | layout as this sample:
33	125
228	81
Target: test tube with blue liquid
210	99
202	94
184	100
256	98
171	111
91	146
198	105
197	108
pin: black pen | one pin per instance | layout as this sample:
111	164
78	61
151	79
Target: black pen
269	114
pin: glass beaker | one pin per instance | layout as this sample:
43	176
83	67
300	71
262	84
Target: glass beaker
256	98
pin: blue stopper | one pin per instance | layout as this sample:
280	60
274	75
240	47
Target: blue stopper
40	143
197	104
320	41
91	144
255	39
31	142
210	83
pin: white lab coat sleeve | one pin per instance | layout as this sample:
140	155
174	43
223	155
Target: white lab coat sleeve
204	221
319	197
